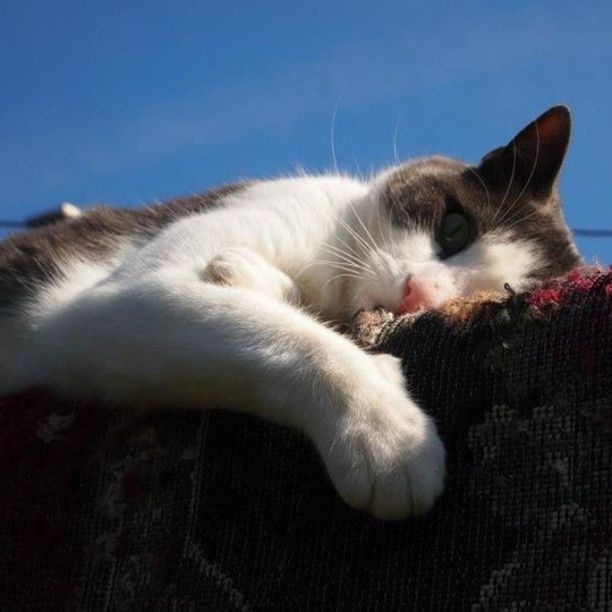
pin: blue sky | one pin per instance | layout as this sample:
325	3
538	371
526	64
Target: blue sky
129	102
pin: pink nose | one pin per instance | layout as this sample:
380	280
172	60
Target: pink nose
419	293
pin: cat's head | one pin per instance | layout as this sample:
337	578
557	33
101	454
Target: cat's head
444	229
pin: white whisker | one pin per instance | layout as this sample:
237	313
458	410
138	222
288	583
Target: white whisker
351	254
354	262
358	254
373	243
344	275
515	221
533	169
332	135
361	272
374	247
473	171
364	245
512	172
395	155
345	267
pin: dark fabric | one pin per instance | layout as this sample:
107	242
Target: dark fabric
182	511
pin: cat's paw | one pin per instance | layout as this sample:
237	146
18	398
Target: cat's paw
242	267
385	455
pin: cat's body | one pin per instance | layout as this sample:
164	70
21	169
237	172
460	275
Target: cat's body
225	299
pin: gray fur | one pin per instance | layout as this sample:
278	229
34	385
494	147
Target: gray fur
29	259
514	190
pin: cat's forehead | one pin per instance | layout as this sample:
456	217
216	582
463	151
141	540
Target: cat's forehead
421	191
426	174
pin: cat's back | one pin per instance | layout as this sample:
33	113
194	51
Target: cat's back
34	259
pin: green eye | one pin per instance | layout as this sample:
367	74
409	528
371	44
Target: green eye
454	233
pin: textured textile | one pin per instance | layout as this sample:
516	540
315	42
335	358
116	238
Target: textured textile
109	510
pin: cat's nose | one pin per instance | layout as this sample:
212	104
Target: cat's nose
419	293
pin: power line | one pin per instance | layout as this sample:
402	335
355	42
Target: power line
12	224
48	219
590	233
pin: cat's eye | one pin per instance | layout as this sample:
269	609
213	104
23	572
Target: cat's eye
454	233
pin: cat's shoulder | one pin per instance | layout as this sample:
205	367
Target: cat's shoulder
305	187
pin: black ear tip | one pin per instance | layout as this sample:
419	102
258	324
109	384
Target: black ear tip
552	127
559	114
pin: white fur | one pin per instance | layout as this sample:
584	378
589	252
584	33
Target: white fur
228	308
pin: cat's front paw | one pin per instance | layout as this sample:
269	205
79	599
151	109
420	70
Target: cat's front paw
385	456
242	267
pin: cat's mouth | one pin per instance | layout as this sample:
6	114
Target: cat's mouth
417	295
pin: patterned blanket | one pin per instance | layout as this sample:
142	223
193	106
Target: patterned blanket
110	510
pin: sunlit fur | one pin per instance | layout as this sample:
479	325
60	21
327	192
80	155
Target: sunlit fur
234	307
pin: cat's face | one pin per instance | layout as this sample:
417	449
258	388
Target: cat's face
443	229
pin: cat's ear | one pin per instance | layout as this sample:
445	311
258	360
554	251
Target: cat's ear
533	158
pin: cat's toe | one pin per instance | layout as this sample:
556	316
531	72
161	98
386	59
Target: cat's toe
423	472
410	482
390	463
219	271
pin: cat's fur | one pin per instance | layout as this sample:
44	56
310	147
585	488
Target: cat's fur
221	300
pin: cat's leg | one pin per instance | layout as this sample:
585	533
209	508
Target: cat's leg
171	339
243	267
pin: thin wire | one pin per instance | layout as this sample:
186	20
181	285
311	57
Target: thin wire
591	233
588	233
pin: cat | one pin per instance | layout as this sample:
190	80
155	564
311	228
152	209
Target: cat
229	299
